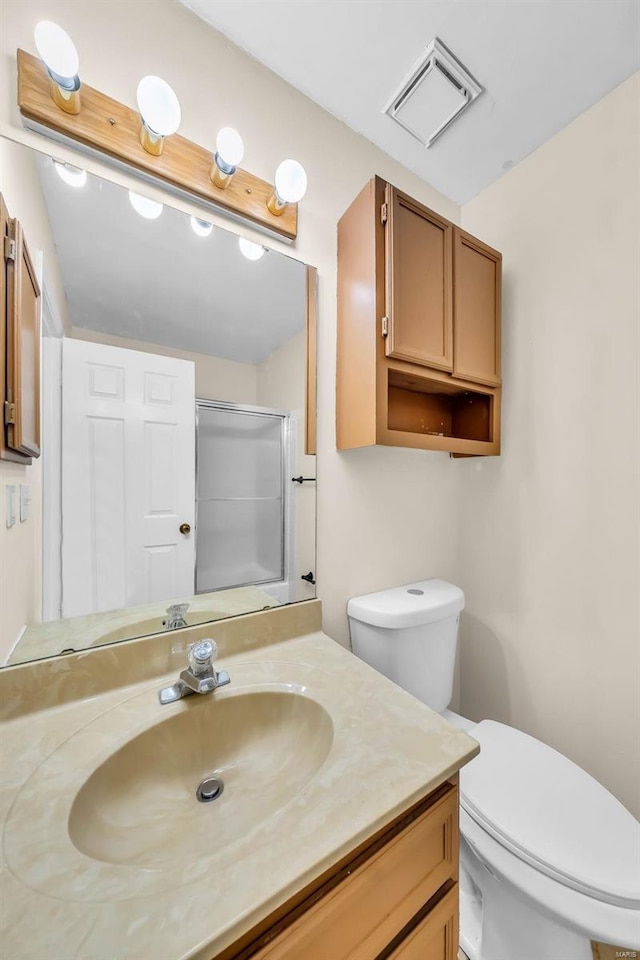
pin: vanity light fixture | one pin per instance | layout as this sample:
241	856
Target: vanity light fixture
160	112
147	208
213	178
290	186
72	176
58	52
251	250
228	155
201	228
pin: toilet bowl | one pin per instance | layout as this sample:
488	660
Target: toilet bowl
549	859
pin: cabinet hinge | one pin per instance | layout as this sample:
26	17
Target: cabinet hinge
385	326
9	248
9	412
384	213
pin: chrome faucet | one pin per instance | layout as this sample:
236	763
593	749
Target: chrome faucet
199	677
176	616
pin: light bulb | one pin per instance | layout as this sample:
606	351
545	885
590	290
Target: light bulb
229	146
57	49
251	250
291	181
158	105
150	209
201	228
229	153
72	176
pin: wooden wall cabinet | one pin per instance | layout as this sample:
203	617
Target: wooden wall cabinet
20	338
395	897
419	314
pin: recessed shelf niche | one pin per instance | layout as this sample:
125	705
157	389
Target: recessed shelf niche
433	407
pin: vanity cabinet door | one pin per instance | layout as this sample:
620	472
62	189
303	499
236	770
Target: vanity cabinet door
435	937
363	913
21	345
419	307
477	282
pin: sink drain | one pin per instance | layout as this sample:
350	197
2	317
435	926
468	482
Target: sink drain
210	789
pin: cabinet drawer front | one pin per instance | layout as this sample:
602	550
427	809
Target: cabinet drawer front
436	936
477	308
419	281
363	913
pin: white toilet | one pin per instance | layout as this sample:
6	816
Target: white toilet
549	859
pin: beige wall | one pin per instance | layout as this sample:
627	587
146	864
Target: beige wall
216	379
549	533
384	515
21	545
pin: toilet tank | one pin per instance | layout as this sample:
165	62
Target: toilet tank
409	634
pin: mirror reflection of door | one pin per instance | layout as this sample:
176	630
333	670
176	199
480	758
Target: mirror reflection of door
128	477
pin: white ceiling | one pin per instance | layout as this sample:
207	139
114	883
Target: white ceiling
541	62
155	280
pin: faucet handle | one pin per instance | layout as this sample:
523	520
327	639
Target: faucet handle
201	654
177	609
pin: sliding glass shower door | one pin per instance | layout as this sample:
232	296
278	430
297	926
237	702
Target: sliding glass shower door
240	496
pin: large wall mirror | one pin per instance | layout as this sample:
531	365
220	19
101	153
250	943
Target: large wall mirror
175	481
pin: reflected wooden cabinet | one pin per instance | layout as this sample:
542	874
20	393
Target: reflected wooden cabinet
396	896
20	338
419	314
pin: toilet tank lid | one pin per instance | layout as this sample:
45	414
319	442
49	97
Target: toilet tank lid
409	605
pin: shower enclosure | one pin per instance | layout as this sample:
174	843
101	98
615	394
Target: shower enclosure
244	520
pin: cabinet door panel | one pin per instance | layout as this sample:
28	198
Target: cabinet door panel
436	936
419	302
477	273
360	916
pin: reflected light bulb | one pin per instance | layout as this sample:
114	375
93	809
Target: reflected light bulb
147	208
251	250
57	49
72	176
201	228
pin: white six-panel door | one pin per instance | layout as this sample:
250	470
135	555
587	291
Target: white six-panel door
128	477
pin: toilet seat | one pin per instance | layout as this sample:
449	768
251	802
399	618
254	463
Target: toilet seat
546	810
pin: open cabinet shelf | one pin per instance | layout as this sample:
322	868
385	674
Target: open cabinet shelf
438	413
428	407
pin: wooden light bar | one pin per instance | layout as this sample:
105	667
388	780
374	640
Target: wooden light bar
109	127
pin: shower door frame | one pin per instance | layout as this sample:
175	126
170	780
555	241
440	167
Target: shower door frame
288	437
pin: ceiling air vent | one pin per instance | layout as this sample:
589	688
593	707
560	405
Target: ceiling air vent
437	89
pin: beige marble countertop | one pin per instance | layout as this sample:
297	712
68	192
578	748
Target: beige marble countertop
60	904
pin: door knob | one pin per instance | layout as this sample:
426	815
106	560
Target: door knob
185	528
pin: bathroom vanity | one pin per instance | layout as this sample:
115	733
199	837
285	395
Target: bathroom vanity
396	897
335	834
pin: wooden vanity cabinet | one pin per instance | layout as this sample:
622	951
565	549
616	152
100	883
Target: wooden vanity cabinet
419	314
395	897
